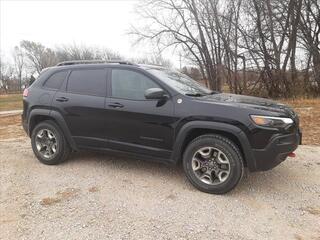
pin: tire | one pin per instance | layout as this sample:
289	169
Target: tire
44	134
217	154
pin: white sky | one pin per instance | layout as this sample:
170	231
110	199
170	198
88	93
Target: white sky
90	23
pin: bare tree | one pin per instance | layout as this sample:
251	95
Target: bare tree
6	74
180	24
205	30
39	56
154	59
229	39
76	52
192	72
309	26
271	40
19	63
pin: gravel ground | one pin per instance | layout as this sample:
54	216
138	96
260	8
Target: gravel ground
96	196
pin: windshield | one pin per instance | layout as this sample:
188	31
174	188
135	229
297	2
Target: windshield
180	82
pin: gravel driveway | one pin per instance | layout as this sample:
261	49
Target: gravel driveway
96	196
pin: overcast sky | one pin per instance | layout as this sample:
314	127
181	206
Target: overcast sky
91	23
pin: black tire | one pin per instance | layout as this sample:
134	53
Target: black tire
62	147
231	151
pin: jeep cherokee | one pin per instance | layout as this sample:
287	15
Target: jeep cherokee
159	114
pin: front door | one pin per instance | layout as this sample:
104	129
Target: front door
136	124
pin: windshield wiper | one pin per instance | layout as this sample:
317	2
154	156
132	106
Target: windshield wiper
195	94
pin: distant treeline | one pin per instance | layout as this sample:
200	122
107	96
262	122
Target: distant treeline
30	58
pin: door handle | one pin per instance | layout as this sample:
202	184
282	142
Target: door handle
115	105
62	99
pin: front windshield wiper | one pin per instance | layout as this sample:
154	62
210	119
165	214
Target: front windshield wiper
214	92
195	94
201	94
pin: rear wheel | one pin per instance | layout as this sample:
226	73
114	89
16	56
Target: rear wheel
213	164
49	144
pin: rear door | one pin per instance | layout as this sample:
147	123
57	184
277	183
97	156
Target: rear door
136	124
82	104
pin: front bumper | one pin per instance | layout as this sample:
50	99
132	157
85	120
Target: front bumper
276	151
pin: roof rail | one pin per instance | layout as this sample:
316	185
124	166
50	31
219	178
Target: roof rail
65	63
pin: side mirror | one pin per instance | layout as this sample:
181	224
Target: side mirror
155	93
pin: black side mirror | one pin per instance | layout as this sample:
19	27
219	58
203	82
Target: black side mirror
155	93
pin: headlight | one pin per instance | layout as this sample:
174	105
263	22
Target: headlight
275	122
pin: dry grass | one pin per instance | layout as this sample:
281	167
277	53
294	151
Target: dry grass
10	127
309	113
64	195
312	210
93	189
10	102
48	201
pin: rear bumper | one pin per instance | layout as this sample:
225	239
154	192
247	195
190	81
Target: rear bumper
276	151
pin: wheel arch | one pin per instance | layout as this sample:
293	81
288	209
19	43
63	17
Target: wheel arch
39	115
194	129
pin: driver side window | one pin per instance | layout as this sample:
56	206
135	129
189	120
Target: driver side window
128	84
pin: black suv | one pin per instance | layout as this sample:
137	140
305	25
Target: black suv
158	114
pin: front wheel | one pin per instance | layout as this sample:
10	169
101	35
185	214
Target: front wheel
49	144
213	164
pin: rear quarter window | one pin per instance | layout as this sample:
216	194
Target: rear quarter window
55	81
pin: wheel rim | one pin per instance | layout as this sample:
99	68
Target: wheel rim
210	165
46	143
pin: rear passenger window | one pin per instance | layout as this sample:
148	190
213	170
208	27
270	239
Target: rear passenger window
88	82
56	80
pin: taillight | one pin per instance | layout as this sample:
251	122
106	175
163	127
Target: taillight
25	92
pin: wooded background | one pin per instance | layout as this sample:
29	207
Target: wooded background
267	48
262	47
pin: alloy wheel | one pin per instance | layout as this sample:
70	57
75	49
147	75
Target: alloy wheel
46	143
211	166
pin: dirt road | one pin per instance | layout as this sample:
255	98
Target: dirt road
95	196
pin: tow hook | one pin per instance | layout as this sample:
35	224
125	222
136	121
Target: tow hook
292	154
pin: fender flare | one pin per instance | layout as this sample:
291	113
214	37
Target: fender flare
34	113
222	127
58	118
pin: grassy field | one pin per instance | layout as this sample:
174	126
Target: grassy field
309	113
308	110
10	102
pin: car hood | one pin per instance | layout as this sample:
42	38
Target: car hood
250	102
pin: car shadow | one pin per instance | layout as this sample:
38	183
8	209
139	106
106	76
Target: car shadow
125	163
251	182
